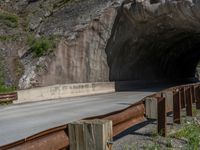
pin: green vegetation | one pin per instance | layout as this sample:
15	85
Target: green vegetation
9	19
8	37
195	112
5	103
5	89
41	46
191	133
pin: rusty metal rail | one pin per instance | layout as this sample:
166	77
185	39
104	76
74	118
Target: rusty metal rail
127	118
8	97
57	138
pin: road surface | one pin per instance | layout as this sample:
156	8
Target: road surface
20	121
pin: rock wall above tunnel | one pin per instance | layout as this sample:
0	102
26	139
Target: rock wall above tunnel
155	40
121	40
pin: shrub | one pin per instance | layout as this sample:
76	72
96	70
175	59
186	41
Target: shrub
3	87
9	19
41	46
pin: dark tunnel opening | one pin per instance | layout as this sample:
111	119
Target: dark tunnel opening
159	41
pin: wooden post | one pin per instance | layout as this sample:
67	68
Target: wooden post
151	107
90	135
182	97
188	102
161	116
176	108
192	93
168	95
197	95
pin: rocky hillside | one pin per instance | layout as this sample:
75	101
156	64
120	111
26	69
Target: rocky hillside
46	42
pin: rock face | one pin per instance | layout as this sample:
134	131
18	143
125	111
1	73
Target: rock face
155	40
81	28
80	56
102	40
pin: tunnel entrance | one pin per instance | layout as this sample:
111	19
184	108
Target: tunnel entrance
155	41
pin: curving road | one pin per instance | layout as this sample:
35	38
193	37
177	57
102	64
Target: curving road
20	121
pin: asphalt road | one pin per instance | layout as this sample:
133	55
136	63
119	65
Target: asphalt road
20	121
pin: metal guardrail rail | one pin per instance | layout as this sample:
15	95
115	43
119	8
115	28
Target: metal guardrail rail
8	97
57	138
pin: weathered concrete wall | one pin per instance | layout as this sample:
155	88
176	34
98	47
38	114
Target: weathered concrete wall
63	91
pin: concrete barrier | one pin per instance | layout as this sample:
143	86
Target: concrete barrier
63	91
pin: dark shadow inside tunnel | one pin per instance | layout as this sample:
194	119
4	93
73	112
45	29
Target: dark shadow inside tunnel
155	42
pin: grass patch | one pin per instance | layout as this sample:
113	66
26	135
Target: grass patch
4	38
195	112
6	89
5	103
41	46
9	20
191	133
3	87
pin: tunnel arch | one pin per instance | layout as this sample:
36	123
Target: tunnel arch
159	40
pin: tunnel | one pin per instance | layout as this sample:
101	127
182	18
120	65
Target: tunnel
155	40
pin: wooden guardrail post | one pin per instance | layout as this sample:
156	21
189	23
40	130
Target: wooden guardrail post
168	95
90	135
161	109
188	101
182	97
192	94
197	97
176	108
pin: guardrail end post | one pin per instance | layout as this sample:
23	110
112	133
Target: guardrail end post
90	135
161	106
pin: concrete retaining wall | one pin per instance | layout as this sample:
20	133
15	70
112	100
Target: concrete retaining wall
63	91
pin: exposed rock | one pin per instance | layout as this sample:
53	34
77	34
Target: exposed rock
158	40
80	56
101	40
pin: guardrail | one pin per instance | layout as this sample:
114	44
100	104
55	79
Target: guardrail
173	100
169	100
57	138
8	97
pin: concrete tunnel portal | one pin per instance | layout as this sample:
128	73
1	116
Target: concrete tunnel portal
155	40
